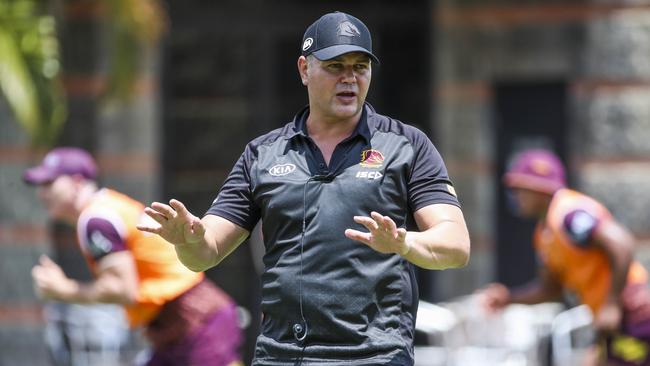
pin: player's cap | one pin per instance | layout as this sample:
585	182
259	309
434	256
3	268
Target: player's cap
62	161
337	33
538	170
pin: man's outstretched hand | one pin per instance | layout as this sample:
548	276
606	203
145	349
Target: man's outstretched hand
383	234
50	282
175	223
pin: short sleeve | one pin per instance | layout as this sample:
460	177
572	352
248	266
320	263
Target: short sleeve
428	182
235	199
101	237
580	225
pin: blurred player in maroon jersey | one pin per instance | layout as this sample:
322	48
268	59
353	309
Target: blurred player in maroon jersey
186	318
582	248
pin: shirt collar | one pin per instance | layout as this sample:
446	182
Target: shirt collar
362	129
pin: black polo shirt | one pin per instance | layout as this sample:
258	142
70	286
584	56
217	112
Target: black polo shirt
359	305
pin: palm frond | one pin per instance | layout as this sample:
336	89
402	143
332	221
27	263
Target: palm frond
30	77
29	69
17	84
135	26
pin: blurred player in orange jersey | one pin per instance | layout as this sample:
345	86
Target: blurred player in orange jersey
584	250
187	319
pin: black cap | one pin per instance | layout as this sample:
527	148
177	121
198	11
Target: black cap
335	34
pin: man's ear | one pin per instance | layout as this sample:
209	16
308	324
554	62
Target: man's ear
303	66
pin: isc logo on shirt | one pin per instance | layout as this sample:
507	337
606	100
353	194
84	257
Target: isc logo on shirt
281	169
369	175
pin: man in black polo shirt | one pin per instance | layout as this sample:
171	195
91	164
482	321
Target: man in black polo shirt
339	176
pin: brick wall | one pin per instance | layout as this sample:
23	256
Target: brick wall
23	237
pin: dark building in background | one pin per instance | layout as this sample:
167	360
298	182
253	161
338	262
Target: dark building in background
528	114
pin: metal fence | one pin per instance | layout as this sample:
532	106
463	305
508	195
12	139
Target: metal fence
460	332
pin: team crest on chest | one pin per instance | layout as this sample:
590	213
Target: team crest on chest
371	158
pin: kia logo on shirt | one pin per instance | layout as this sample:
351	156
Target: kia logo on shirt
282	169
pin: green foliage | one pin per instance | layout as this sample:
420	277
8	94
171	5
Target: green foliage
134	24
30	69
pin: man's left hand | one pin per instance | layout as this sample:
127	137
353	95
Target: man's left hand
49	280
384	236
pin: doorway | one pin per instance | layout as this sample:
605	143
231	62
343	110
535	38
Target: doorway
528	115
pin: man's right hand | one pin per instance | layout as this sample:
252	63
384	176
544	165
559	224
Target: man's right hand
175	223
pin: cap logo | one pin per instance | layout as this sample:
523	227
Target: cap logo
371	158
348	29
52	161
541	167
307	43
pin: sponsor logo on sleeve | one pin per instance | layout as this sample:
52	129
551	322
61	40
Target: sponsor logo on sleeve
99	244
582	223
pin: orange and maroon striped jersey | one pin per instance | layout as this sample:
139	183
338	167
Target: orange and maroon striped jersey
561	241
108	225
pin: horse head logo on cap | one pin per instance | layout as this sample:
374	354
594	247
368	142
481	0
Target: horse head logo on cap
348	29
